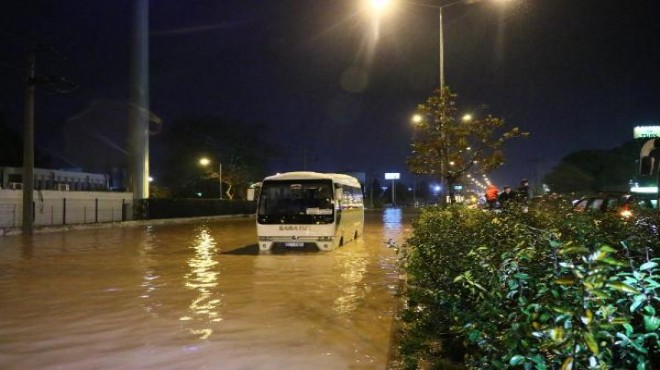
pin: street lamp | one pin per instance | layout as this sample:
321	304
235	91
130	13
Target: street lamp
205	162
379	6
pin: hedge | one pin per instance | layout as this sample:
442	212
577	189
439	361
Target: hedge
544	288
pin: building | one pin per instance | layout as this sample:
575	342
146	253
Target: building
47	179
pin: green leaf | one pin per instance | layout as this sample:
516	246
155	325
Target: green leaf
600	294
474	335
573	250
539	362
565	281
607	248
498	364
629	330
516	360
637	302
557	334
651	323
619	320
591	343
587	317
613	262
567	364
623	288
598	255
648	265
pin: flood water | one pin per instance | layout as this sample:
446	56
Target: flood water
196	295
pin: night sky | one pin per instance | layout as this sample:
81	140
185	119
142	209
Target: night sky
576	74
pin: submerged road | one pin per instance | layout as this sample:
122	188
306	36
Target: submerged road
196	295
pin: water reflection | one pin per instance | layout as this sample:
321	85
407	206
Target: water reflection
150	277
393	226
202	279
354	267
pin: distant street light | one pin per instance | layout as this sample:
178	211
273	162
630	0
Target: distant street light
205	162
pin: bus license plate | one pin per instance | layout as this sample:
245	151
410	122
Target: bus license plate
294	245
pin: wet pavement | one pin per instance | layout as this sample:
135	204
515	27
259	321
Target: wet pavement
196	295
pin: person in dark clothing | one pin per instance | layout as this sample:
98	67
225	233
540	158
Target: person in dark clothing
505	196
523	191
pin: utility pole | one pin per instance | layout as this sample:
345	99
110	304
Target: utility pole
138	125
28	145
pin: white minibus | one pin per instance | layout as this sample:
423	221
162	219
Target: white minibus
308	209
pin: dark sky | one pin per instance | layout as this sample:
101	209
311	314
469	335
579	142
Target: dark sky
577	74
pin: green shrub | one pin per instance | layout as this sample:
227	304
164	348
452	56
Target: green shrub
544	289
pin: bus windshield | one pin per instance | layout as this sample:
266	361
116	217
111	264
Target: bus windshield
296	202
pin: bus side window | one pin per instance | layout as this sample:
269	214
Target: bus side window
346	199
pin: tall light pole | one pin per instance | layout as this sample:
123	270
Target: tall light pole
380	5
138	120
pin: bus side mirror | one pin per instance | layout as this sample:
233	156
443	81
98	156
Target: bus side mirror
339	194
646	165
251	194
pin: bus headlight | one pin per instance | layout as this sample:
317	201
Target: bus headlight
324	238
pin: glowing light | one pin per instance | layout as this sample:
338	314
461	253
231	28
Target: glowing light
204	161
644	189
203	278
626	213
467	117
380	5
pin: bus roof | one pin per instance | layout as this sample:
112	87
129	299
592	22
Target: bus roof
307	175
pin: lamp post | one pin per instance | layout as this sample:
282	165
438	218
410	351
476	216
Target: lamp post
379	6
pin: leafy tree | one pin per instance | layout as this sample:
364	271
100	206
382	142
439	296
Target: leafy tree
446	147
221	140
595	170
567	177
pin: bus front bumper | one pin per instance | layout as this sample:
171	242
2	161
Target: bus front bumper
323	243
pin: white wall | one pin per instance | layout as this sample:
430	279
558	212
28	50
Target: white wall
64	207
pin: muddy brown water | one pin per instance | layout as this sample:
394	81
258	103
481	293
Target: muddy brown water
196	295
